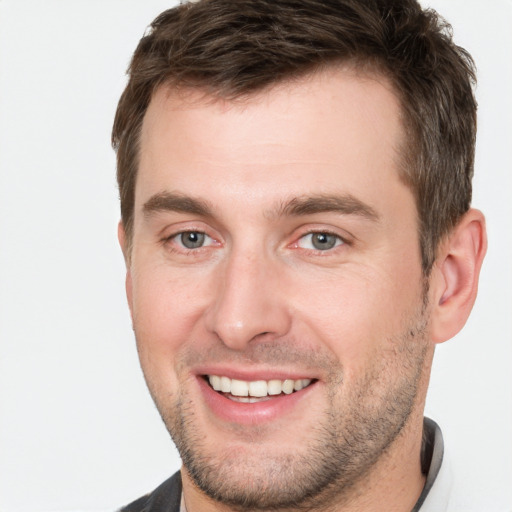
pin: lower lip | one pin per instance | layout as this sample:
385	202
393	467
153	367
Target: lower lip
251	413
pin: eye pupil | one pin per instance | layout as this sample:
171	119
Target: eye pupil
323	241
192	239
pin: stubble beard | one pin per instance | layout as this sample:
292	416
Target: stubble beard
344	446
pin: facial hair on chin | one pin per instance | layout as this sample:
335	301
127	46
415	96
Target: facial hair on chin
342	448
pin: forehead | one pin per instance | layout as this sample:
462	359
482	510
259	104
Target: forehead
333	128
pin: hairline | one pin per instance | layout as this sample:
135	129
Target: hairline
363	68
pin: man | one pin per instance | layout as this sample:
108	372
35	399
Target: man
295	181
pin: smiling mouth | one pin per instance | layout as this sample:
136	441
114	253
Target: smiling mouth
255	391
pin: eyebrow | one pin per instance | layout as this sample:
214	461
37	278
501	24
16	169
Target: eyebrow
345	204
173	202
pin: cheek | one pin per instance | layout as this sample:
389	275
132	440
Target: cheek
166	309
356	314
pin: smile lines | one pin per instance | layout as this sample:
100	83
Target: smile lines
257	388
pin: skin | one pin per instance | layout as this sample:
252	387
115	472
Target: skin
257	299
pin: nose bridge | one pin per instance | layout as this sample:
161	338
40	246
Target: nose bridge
247	302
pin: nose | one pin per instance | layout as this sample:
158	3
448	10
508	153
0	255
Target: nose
248	303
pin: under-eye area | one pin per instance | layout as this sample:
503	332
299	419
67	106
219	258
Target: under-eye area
258	390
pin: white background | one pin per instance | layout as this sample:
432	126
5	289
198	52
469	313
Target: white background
78	430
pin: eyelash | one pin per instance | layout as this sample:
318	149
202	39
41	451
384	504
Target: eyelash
172	240
340	242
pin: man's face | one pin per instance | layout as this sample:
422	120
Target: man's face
274	248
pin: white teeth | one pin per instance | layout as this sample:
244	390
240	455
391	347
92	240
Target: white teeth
257	388
274	387
225	384
288	385
248	399
301	384
239	387
215	381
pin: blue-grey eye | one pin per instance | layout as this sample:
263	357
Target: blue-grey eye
192	239
319	241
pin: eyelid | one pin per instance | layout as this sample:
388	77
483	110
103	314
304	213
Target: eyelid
170	237
339	240
170	229
176	238
345	239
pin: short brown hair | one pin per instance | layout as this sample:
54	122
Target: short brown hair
232	48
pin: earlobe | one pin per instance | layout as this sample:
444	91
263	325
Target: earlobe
455	277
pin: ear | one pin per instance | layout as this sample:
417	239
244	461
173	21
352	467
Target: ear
123	242
454	280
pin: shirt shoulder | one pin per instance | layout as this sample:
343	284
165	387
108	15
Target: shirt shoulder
165	498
